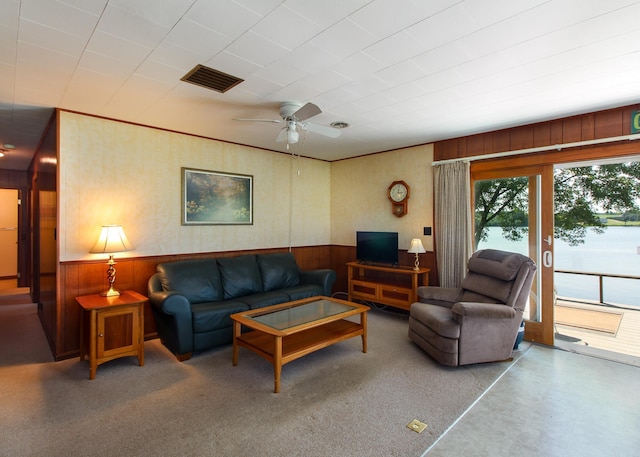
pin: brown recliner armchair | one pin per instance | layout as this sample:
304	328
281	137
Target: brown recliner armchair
479	321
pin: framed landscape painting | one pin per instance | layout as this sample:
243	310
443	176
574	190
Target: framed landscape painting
216	198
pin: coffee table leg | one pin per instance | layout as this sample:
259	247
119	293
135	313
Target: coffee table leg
363	322
236	333
277	363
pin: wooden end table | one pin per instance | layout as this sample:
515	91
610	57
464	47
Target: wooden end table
114	328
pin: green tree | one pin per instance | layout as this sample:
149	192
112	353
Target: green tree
579	193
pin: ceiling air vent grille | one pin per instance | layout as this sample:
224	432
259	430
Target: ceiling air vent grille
211	79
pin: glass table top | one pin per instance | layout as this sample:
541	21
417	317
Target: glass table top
301	314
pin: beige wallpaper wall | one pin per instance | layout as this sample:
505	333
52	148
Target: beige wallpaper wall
359	195
117	173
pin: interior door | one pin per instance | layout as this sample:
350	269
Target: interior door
513	208
9	233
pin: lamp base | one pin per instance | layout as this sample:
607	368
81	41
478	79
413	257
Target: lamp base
416	264
110	293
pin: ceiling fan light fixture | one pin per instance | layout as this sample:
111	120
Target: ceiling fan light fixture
292	136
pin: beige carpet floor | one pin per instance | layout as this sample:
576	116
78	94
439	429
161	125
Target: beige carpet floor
335	402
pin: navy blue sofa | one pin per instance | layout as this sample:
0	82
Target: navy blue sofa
192	300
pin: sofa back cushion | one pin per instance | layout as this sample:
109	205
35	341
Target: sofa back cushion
198	280
278	270
240	276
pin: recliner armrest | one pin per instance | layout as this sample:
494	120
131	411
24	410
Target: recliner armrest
483	310
442	296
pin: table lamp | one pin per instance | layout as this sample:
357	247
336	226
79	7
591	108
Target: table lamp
416	248
112	239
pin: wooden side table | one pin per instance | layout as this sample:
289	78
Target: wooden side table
113	327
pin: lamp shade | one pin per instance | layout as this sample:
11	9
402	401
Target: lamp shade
112	239
416	247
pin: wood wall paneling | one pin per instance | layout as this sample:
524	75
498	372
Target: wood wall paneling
602	124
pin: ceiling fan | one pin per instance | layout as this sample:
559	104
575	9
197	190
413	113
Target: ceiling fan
293	116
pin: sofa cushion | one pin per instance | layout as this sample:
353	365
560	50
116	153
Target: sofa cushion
198	279
215	315
262	299
240	276
278	270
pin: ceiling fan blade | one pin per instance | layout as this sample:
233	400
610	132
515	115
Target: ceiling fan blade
321	129
307	111
282	136
275	121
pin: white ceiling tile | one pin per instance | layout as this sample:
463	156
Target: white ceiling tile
226	17
386	17
325	80
326	12
262	7
233	65
131	27
256	49
159	72
94	7
59	16
280	73
118	49
171	54
358	65
394	49
42	36
165	13
100	63
197	39
286	28
260	87
344	38
444	27
309	58
400	73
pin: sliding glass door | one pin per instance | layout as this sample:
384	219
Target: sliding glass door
513	211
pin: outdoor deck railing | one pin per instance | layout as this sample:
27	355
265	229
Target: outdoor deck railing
600	276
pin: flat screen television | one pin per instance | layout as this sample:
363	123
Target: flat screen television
377	247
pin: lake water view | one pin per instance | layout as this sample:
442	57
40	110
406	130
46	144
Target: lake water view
614	252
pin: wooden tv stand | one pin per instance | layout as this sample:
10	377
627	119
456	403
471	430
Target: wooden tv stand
393	286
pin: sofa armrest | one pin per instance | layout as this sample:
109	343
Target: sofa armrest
174	318
483	310
325	278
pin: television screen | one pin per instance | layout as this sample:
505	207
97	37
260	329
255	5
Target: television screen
377	247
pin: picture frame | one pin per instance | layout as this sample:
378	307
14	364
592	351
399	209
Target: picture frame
216	198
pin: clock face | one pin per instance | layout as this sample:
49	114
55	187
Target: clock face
398	192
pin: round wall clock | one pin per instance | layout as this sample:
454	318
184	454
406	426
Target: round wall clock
398	194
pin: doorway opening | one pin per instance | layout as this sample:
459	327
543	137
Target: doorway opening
9	239
597	259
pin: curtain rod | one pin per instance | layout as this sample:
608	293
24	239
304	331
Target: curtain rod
559	147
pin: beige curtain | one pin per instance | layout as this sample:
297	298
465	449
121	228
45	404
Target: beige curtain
453	219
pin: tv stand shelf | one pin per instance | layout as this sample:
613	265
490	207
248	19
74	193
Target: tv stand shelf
393	286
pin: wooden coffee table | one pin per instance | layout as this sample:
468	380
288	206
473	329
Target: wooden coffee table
285	332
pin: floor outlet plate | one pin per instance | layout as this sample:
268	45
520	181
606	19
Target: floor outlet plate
417	426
